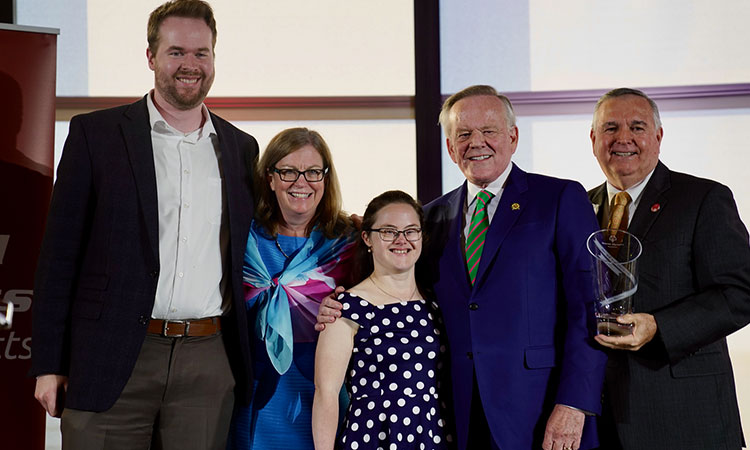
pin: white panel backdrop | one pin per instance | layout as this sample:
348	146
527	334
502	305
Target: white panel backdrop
360	47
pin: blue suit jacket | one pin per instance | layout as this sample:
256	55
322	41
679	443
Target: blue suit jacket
526	326
99	264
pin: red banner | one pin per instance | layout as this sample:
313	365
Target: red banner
27	127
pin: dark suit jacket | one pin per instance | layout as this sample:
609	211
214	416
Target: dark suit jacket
526	326
694	277
99	264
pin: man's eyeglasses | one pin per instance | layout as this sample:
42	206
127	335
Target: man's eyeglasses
292	175
391	234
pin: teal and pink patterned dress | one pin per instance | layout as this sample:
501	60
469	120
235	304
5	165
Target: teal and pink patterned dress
285	279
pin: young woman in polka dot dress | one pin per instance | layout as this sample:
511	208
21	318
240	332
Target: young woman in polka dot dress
388	344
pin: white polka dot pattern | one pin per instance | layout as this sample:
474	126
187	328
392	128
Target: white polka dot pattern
391	380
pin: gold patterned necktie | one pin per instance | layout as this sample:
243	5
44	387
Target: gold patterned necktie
618	218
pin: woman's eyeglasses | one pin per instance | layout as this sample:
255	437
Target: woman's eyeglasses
391	234
292	175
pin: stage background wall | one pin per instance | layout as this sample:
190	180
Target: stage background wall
360	48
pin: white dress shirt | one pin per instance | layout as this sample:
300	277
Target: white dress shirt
193	235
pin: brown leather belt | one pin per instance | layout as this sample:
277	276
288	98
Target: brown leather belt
185	328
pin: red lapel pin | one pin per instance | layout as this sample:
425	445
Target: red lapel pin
655	207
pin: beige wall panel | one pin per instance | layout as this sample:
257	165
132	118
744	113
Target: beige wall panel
279	48
586	44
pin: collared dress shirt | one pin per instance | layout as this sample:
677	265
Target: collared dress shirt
193	234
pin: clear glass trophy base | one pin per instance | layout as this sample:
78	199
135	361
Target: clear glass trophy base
608	325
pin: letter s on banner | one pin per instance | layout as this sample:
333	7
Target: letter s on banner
21	299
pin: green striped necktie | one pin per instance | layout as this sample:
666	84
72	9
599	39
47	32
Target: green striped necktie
480	221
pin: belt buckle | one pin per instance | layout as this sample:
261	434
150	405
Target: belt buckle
166	325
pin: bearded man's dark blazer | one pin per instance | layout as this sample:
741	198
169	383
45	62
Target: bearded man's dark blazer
99	265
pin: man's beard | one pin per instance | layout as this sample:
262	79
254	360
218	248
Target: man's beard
183	101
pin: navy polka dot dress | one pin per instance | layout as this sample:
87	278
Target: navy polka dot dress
392	377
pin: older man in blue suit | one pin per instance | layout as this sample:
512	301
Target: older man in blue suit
506	256
525	371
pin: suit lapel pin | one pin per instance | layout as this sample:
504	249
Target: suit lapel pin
515	206
655	207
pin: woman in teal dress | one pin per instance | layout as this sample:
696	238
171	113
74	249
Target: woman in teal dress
299	249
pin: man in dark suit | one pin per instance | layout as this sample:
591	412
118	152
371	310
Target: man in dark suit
670	383
139	325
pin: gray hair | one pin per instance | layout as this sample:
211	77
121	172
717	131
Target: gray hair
473	91
619	92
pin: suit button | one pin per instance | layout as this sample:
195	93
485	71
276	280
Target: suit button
143	320
473	306
154	274
470	355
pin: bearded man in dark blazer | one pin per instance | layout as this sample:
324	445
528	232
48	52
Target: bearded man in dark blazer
140	332
670	383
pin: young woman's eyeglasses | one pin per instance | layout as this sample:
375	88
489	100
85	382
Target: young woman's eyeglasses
391	234
292	175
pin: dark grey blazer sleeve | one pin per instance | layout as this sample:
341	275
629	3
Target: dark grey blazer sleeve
712	267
